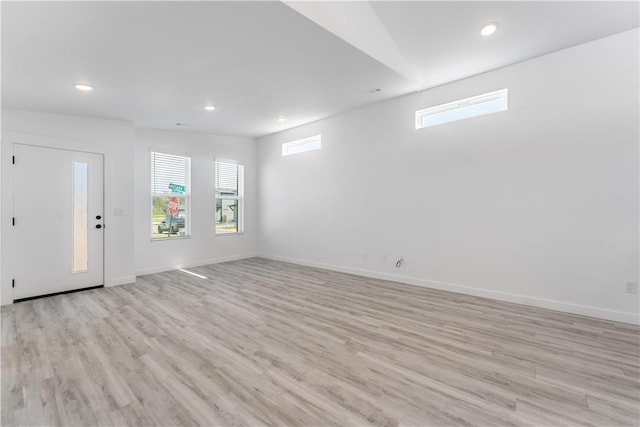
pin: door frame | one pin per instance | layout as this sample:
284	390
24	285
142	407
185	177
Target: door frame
13	242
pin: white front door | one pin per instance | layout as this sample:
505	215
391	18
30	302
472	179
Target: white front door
58	220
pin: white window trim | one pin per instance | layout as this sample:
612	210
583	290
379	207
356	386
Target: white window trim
186	195
239	197
498	94
301	142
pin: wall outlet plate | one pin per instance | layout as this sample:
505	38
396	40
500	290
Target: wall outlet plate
631	287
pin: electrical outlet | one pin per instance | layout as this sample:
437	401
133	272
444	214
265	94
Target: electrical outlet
631	287
118	212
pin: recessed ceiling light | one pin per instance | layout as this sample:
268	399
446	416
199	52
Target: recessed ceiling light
282	119
209	107
489	29
83	87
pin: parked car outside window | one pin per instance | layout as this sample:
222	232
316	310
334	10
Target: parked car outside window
173	225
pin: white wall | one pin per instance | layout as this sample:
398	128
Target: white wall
203	247
128	247
113	139
537	205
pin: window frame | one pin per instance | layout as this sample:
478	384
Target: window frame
310	140
186	195
239	198
451	106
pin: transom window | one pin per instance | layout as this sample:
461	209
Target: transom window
302	145
488	103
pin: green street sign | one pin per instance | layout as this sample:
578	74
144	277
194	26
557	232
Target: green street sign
177	188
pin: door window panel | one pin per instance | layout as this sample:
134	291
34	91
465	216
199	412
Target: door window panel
80	217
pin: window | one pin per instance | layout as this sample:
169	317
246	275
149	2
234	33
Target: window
80	216
493	102
170	194
302	145
229	196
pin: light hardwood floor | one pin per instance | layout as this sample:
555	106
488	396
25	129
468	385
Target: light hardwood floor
261	342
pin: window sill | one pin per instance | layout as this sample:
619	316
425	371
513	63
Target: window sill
239	233
167	239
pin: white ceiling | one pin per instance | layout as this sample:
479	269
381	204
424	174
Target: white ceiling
159	63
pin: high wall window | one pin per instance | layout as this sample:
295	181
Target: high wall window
229	196
488	103
302	145
170	195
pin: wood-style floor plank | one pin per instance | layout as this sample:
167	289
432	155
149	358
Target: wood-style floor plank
261	342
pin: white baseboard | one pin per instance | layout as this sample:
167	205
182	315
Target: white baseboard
160	269
120	281
584	310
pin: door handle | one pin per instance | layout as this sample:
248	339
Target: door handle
98	217
99	226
